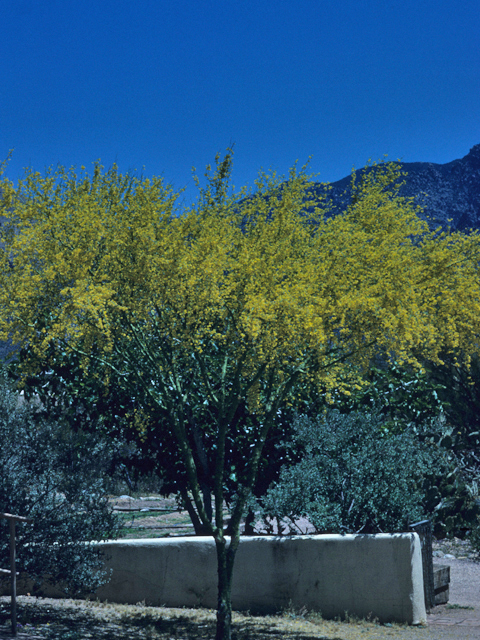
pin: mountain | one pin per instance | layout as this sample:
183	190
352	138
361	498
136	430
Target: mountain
448	193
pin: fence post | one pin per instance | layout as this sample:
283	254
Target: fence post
13	574
424	530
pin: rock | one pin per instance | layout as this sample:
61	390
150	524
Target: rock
448	193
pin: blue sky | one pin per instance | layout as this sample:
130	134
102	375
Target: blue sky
163	86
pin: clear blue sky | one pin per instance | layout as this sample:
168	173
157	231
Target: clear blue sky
165	85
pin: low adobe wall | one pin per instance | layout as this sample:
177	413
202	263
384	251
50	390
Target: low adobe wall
378	575
364	575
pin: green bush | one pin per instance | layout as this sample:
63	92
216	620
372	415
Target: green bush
420	401
53	476
353	475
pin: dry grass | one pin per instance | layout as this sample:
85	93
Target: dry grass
75	620
48	619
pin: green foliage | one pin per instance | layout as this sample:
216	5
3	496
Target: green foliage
459	391
421	400
456	511
407	397
353	475
82	396
54	477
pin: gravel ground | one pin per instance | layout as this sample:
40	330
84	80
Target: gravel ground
460	618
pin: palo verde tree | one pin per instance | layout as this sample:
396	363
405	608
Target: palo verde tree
74	392
221	310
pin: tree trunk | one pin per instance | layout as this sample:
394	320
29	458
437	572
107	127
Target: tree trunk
249	523
199	527
225	560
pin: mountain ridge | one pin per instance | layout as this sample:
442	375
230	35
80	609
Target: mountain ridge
449	193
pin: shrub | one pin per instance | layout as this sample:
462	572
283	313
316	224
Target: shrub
353	475
52	475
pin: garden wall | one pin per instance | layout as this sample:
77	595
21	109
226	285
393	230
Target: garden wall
379	575
364	575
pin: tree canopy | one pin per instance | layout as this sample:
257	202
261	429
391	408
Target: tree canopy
223	308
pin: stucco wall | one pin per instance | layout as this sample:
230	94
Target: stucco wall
364	575
378	575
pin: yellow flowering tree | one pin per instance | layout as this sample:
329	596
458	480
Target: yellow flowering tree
230	303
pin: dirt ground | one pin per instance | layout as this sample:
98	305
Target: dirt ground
460	618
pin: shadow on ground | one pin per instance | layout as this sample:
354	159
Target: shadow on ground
49	619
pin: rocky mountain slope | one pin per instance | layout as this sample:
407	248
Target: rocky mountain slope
449	193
